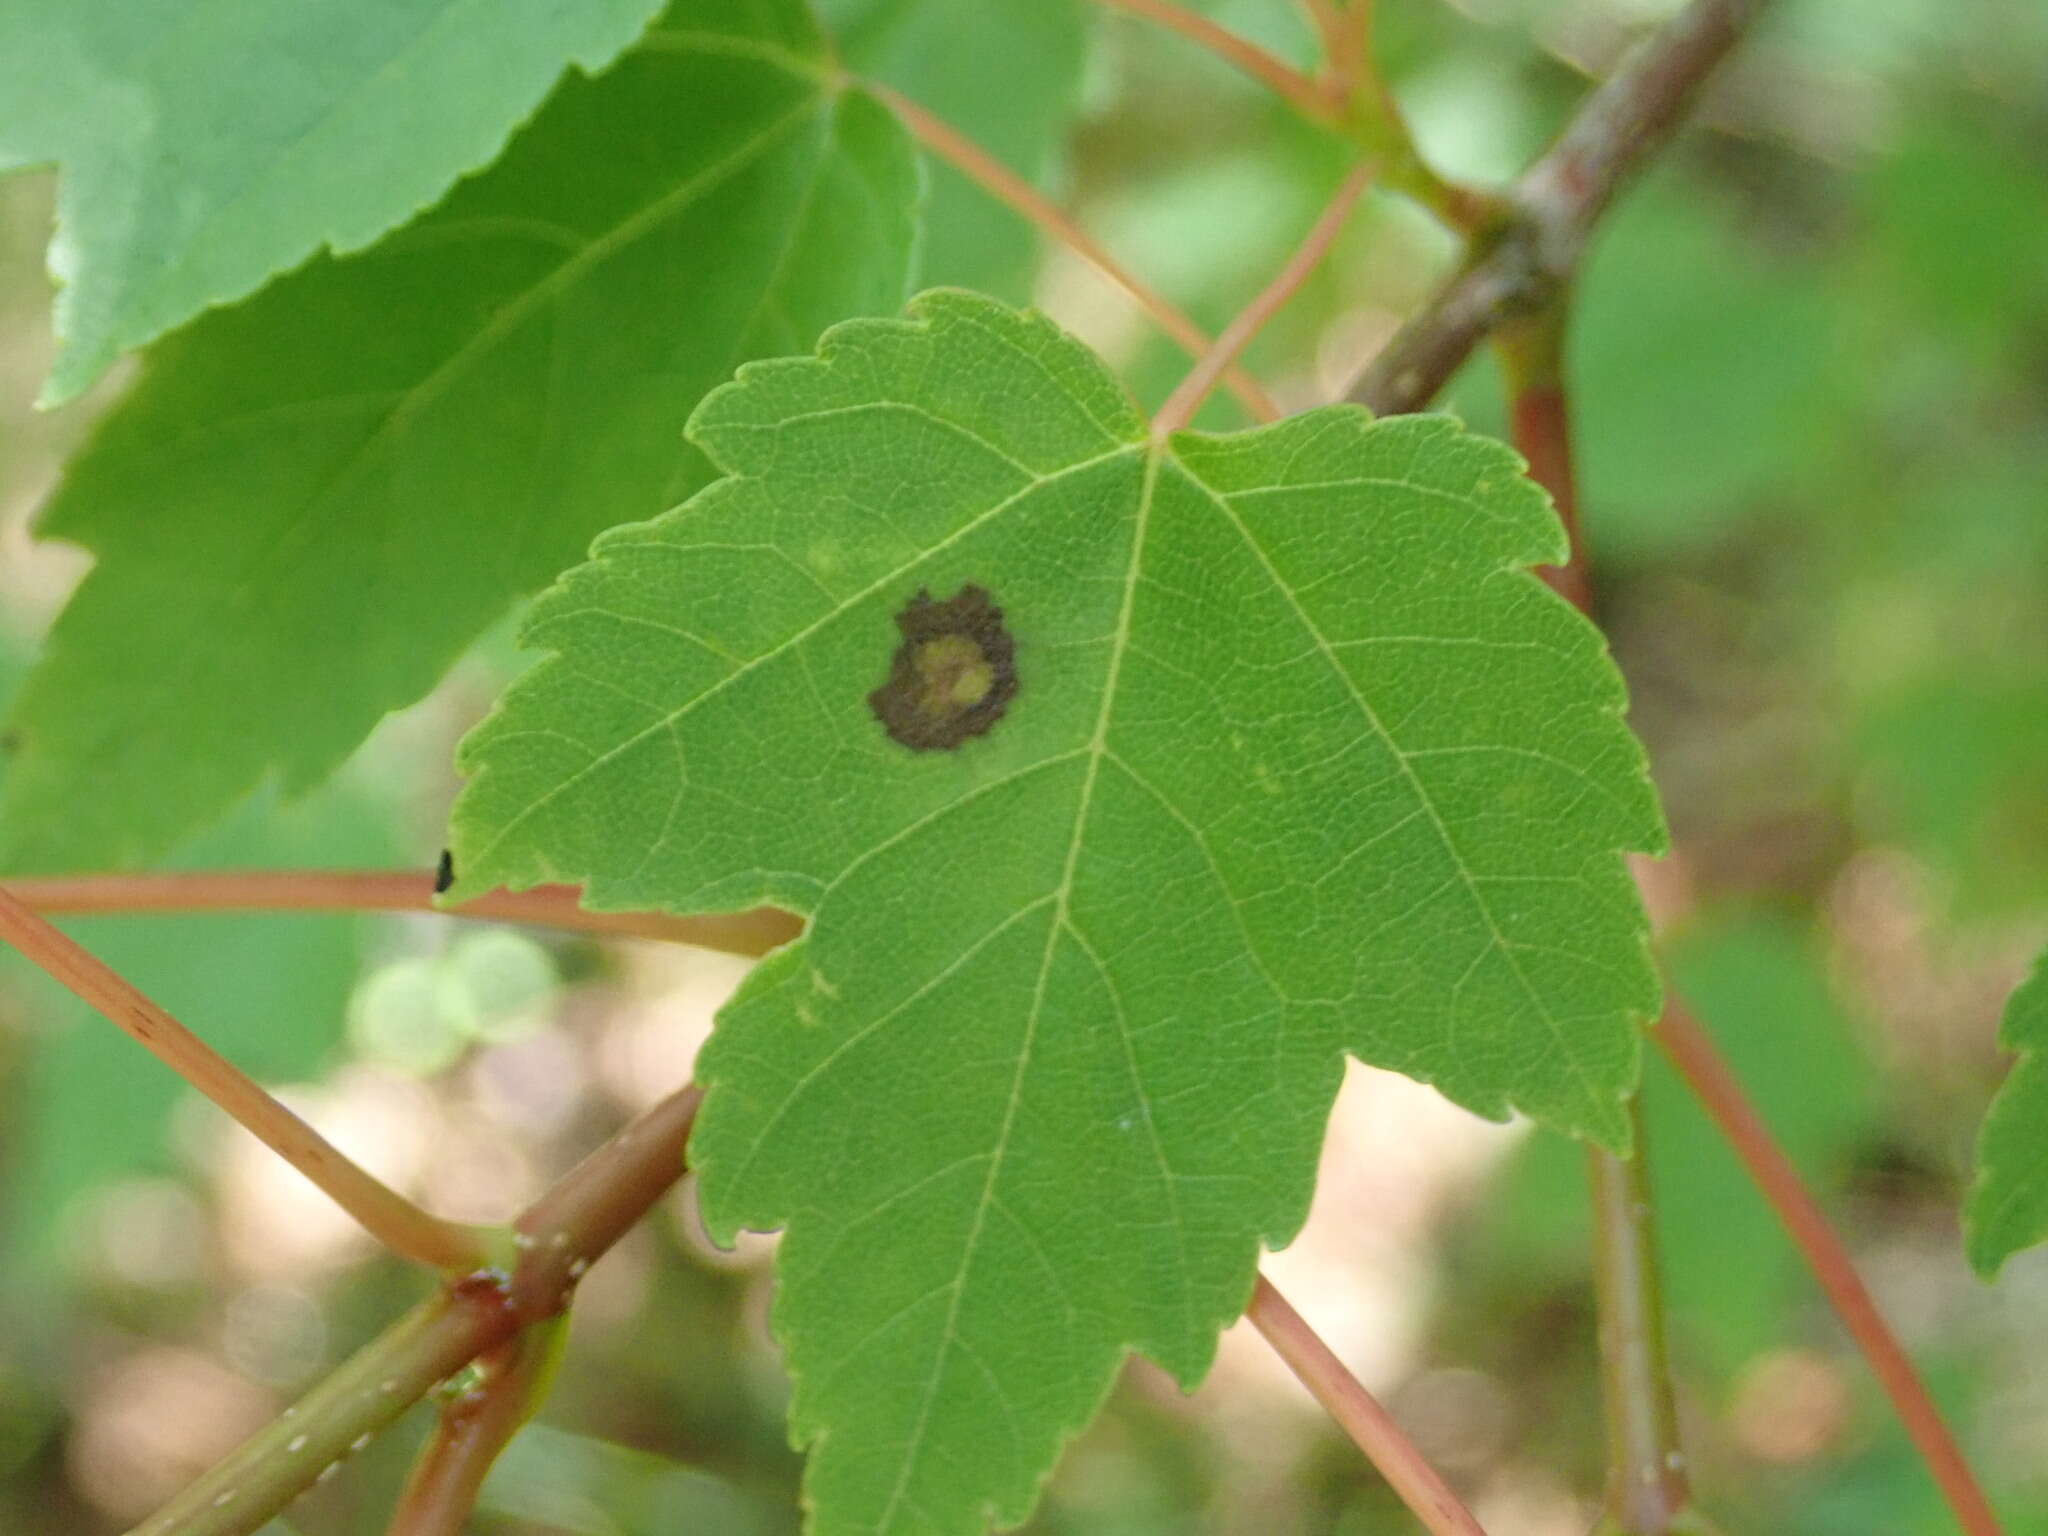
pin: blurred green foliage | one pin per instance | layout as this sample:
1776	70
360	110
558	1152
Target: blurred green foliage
1811	357
266	991
1756	983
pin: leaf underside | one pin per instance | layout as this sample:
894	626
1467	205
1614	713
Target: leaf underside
1301	761
204	148
313	501
2008	1208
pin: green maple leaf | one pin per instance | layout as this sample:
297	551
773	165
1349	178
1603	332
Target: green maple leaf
2008	1207
1299	760
206	147
313	501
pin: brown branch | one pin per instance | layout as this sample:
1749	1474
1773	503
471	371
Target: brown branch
1004	184
361	1396
1359	1415
1287	82
1187	397
1691	1050
596	1203
1519	262
559	1237
316	890
385	1214
475	1426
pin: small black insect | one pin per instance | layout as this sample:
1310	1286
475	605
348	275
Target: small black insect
953	675
444	872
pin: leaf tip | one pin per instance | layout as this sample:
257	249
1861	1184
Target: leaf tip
1988	1242
70	375
1986	1258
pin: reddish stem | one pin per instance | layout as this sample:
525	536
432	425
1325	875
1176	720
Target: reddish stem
1540	430
474	1428
573	1223
1354	40
385	1214
594	1205
1330	25
1289	83
318	890
1692	1052
1532	354
1007	187
1187	398
560	1236
1371	1428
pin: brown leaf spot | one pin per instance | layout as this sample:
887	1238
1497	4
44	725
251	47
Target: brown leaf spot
953	675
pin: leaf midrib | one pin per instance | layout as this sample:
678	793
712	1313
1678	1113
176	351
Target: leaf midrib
1061	922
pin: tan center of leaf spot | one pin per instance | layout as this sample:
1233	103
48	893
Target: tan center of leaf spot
953	675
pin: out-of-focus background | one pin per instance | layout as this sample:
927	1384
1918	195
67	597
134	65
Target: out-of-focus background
1811	356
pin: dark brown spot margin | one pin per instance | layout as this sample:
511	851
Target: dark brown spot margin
925	703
